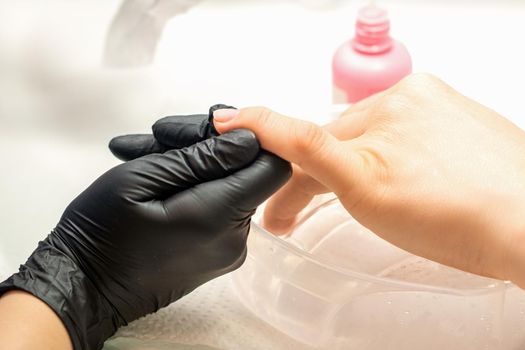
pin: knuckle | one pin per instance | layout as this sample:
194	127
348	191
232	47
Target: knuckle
260	119
127	174
121	173
411	91
263	116
136	168
395	102
308	137
420	85
367	193
416	80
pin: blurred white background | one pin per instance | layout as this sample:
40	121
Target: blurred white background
59	105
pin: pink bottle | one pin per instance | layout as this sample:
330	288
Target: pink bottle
370	62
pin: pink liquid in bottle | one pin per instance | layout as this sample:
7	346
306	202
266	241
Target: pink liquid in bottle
370	62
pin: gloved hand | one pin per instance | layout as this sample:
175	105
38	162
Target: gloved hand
149	231
172	132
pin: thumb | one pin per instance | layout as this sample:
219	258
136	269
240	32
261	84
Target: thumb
304	143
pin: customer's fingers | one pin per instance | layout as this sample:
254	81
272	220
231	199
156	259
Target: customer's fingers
348	126
281	211
356	119
306	144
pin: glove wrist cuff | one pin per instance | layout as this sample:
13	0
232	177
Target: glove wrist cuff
56	279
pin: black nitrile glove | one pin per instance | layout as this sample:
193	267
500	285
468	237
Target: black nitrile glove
149	231
168	133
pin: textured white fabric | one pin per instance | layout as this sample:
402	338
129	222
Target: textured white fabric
212	316
121	343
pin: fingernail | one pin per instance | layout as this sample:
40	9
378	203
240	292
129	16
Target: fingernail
225	115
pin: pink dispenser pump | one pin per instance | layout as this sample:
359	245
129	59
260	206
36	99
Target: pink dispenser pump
370	62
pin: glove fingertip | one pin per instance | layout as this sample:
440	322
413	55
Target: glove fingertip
128	147
119	147
181	130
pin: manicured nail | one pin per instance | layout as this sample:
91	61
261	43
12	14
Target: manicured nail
225	115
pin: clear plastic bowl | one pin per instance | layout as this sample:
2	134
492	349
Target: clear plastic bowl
332	284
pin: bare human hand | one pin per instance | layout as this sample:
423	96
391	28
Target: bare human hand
421	165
